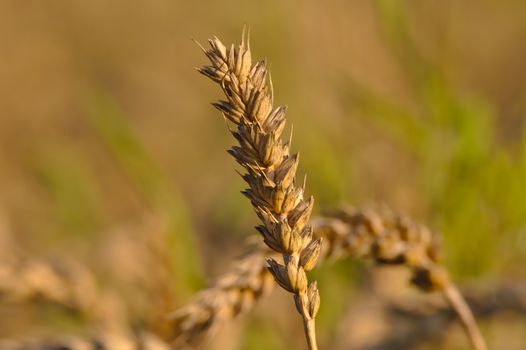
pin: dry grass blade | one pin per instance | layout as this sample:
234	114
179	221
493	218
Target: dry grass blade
270	171
382	236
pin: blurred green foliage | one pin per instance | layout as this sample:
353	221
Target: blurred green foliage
110	123
76	197
475	186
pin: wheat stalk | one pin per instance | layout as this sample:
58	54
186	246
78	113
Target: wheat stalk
270	172
382	236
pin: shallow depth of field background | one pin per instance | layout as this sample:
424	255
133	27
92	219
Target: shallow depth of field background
107	133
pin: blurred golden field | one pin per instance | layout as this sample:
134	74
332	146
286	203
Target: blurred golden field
111	157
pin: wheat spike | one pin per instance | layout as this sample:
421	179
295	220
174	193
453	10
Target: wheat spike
231	294
393	239
68	285
270	172
383	236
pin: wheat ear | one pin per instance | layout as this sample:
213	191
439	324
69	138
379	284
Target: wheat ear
245	282
69	285
270	172
383	236
393	239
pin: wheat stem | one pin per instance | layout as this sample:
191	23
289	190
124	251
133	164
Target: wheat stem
467	319
309	327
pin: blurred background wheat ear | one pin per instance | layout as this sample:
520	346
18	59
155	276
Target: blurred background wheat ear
114	175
